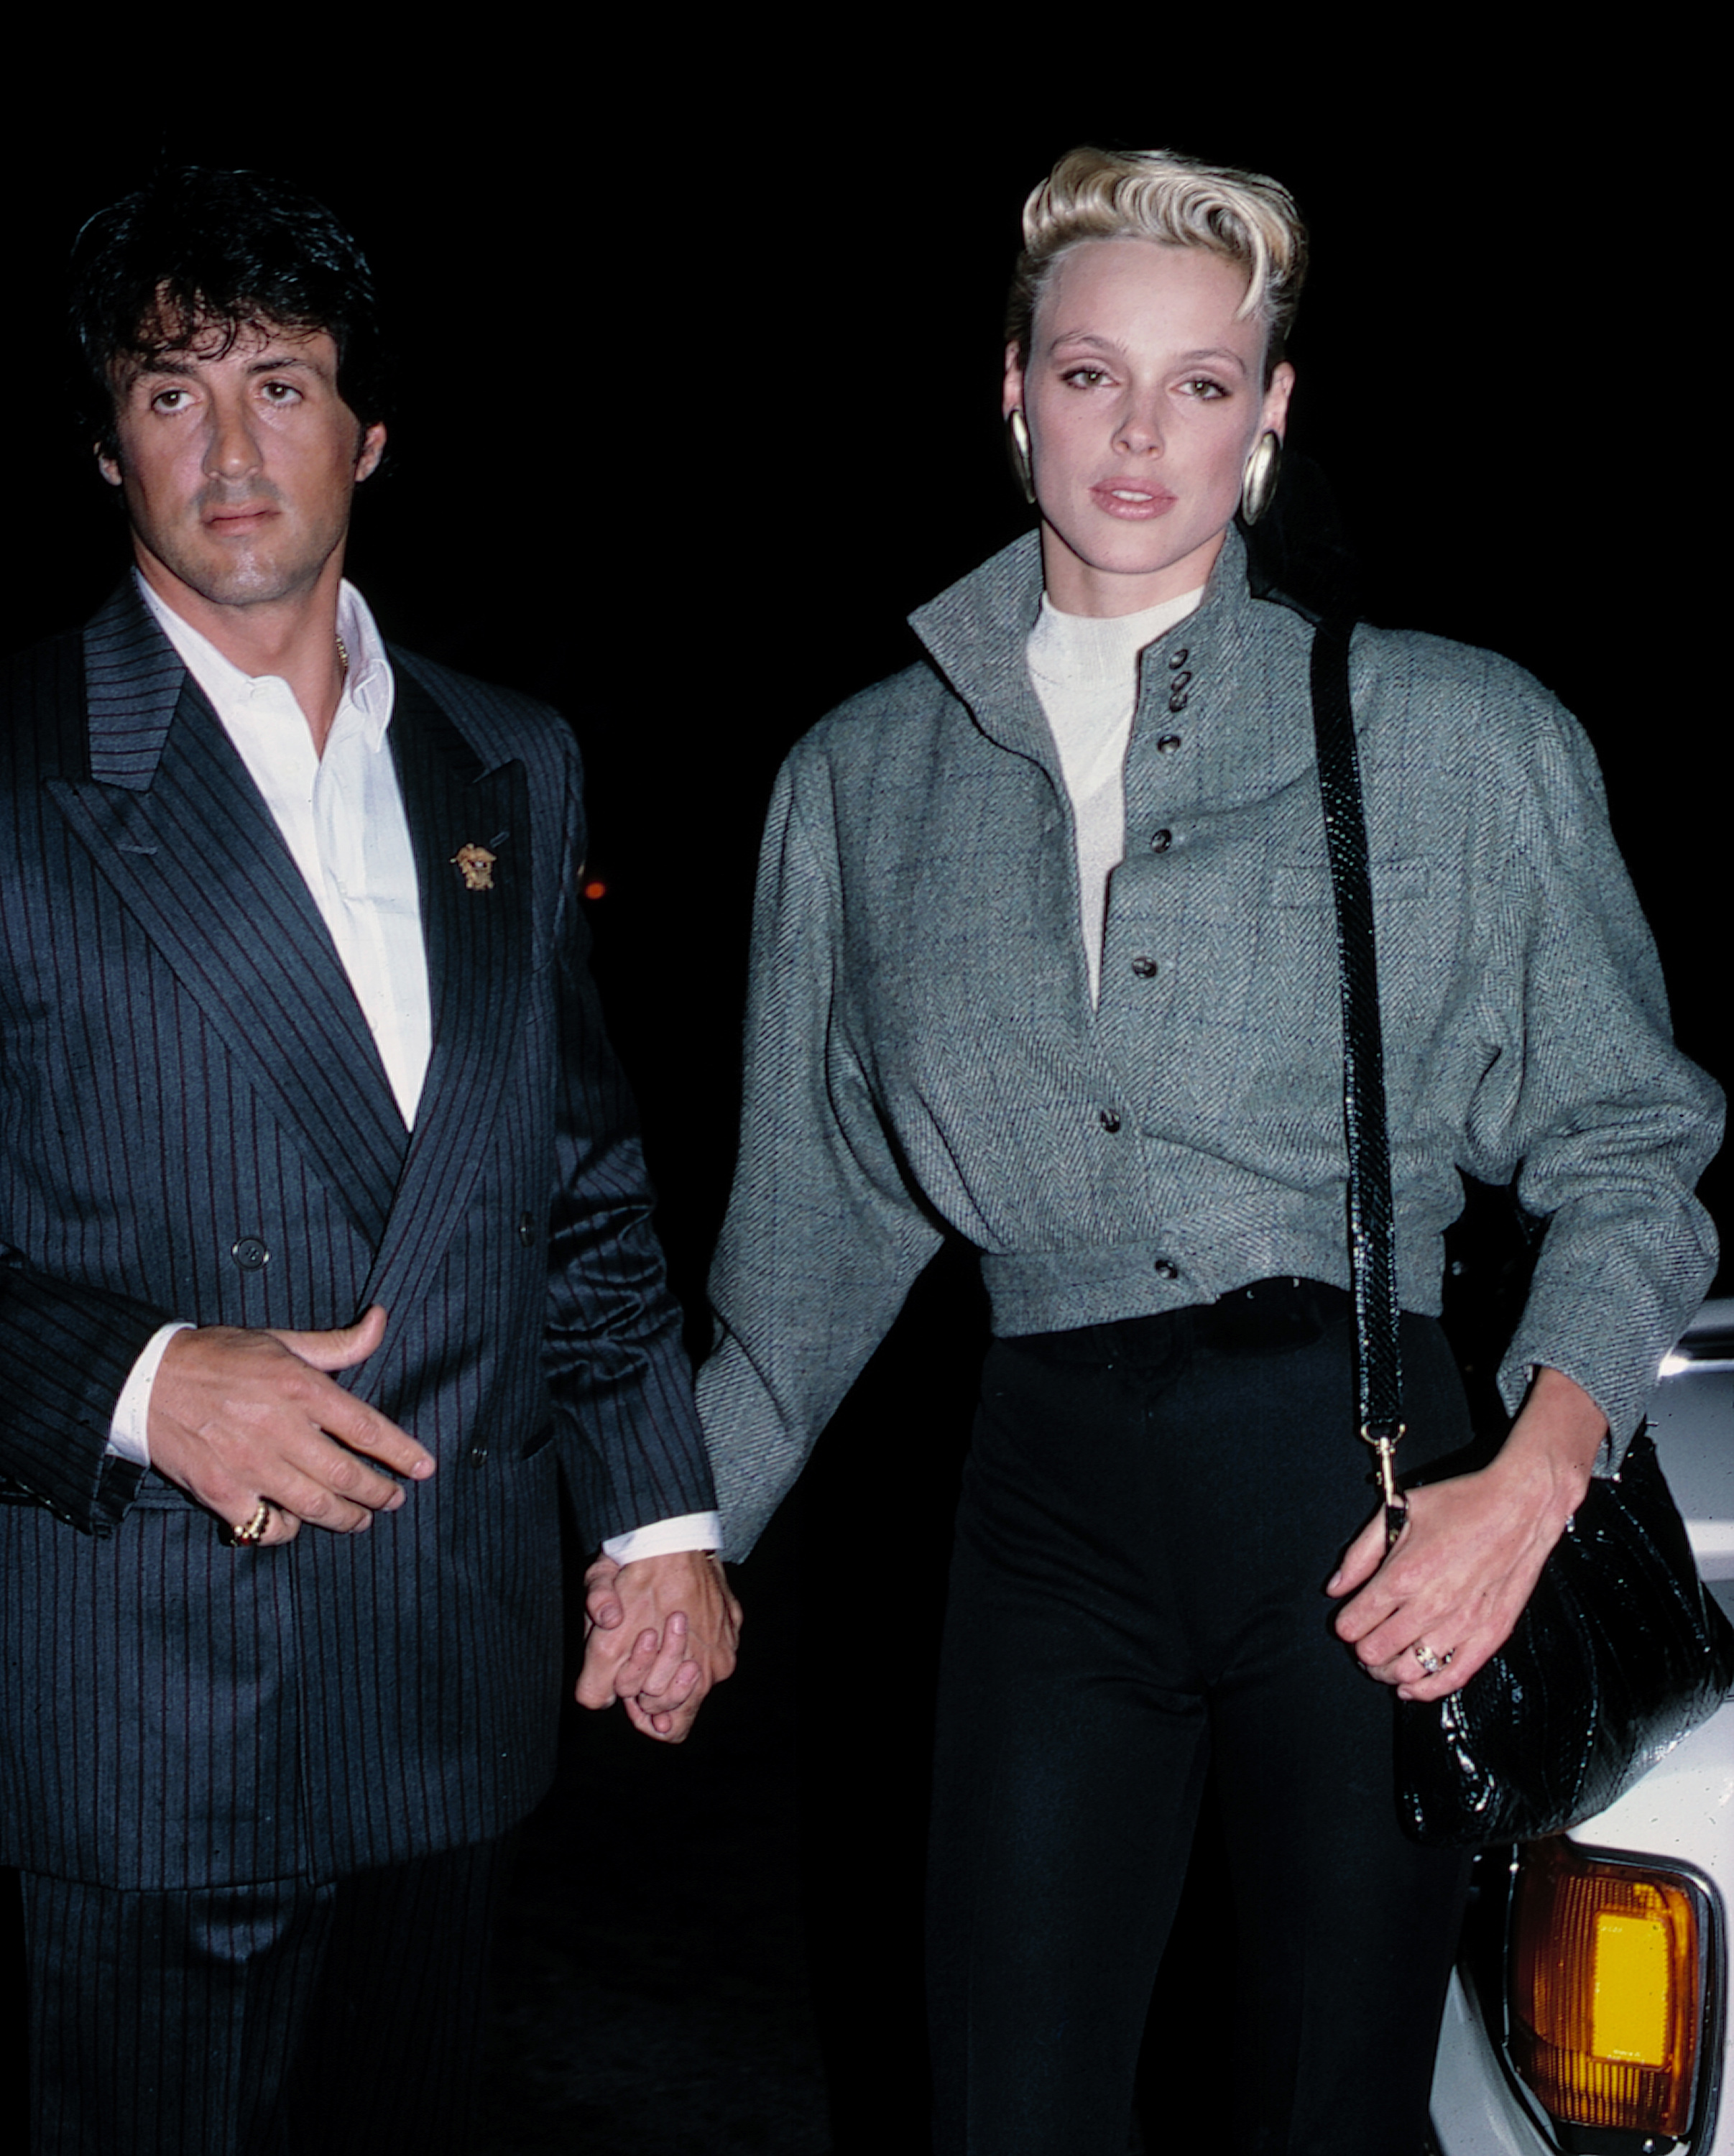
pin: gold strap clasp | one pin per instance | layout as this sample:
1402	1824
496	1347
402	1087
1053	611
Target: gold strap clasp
1384	1438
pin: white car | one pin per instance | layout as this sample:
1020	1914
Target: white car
1589	2010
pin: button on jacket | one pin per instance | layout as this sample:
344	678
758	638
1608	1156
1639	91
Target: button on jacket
922	1053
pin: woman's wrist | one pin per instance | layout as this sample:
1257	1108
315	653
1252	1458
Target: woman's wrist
1553	1446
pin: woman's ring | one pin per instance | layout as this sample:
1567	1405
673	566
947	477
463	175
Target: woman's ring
252	1530
1428	1660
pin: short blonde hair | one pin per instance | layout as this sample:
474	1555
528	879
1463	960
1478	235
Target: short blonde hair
1178	201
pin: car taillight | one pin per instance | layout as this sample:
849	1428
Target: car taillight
1607	1988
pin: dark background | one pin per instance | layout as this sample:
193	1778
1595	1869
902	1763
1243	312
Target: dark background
699	398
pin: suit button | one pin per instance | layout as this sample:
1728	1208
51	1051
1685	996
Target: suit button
1145	968
1110	1121
478	1455
1160	841
1166	1269
1181	682
526	1230
1178	658
1166	742
250	1254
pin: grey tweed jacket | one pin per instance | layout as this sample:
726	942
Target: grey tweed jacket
922	1051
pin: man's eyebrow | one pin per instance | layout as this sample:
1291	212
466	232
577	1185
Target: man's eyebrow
186	366
159	362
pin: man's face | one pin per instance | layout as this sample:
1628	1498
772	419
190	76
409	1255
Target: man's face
238	466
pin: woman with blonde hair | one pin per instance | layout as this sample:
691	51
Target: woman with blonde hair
1044	955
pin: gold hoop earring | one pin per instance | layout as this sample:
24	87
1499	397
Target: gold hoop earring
1018	446
1258	481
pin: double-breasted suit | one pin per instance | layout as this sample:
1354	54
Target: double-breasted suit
195	1124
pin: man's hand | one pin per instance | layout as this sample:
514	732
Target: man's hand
237	1417
660	1633
1473	1547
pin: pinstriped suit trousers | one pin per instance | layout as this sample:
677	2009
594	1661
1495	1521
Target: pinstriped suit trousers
284	2019
1150	1511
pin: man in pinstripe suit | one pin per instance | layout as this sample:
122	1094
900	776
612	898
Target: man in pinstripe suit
324	1246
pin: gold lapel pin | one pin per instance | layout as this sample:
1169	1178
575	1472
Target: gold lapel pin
477	865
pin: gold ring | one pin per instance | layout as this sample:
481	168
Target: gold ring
1428	1660
251	1532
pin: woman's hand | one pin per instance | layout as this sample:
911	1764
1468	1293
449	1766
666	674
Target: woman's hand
1473	1548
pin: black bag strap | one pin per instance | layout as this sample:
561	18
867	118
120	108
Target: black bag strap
1373	1264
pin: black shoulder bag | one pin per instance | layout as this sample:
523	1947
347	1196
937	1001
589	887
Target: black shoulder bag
1619	1652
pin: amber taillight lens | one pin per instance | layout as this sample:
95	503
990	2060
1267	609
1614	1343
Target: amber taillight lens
1606	1988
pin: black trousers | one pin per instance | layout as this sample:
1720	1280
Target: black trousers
283	2019
1150	1513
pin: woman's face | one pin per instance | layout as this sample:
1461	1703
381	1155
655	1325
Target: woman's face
1143	394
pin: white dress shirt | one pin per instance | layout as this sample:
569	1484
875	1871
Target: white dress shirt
341	817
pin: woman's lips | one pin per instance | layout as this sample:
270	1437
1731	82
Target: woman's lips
1135	504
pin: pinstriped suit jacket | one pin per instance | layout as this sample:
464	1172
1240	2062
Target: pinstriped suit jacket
187	1081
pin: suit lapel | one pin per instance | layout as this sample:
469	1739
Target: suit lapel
180	833
478	942
178	830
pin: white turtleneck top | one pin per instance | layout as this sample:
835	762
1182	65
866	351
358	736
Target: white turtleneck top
1085	672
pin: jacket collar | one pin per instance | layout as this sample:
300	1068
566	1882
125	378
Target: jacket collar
976	632
133	680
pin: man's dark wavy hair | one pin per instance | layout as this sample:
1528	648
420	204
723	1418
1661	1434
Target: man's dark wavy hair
196	250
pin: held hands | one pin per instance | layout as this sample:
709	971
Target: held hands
238	1418
660	1633
1473	1548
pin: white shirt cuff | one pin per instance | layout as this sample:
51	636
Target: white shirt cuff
692	1531
129	1428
